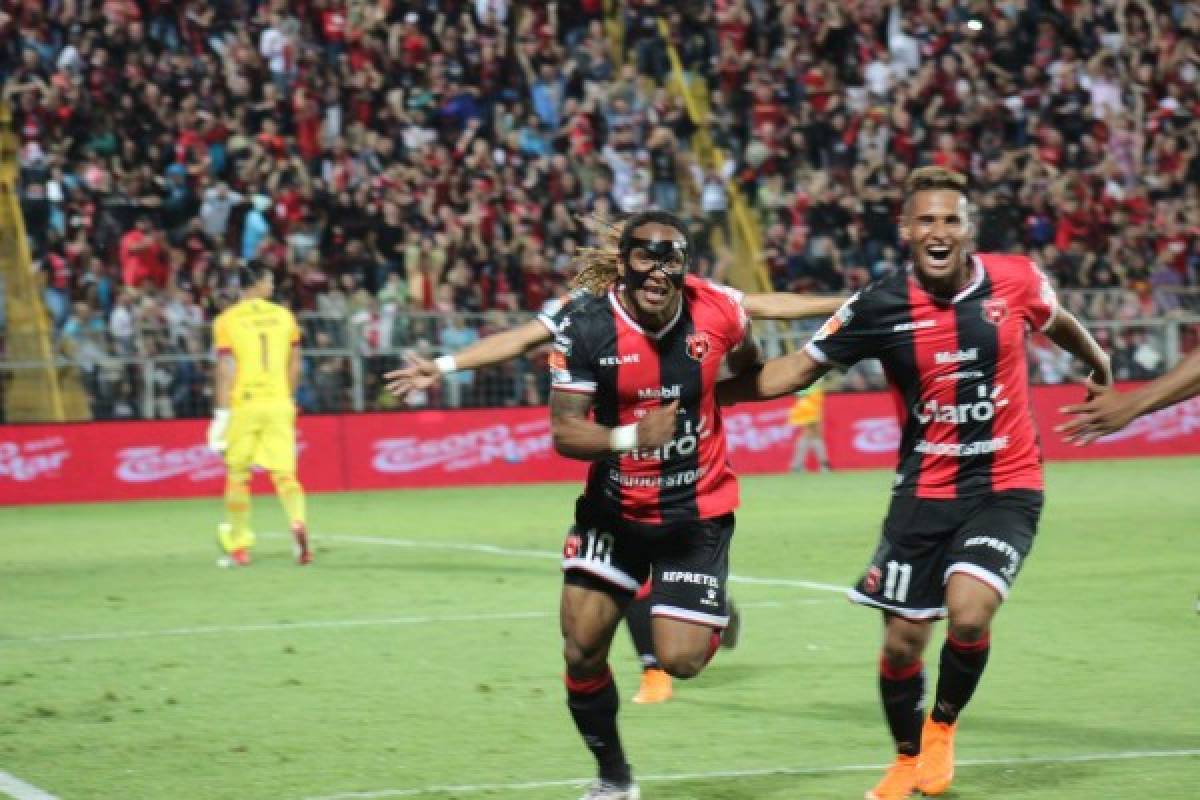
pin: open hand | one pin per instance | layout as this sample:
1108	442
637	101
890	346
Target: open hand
1105	411
421	373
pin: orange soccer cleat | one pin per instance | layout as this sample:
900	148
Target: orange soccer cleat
240	556
935	769
655	688
899	782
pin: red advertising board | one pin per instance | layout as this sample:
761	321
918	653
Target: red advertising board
452	448
168	459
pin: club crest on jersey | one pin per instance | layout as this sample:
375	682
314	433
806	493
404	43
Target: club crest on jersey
698	345
995	310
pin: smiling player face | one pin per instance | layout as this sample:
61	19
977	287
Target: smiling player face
937	228
654	271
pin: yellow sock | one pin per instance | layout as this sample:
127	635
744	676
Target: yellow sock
291	497
237	506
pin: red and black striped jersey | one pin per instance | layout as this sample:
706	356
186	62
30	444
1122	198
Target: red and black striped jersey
957	371
599	349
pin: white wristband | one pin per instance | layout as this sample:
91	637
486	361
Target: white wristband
624	438
221	415
445	364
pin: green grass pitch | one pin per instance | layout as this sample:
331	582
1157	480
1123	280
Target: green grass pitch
419	656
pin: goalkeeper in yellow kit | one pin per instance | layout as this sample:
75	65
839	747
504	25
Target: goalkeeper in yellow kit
254	417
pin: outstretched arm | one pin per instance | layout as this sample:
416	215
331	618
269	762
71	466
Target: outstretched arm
577	436
777	377
495	349
1107	410
787	305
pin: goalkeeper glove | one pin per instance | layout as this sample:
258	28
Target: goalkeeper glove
217	430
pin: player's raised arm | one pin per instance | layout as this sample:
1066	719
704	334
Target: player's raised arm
421	373
577	436
788	305
777	377
1108	410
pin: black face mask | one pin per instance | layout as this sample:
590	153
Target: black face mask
668	256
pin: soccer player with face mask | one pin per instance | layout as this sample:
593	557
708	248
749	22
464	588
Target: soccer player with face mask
634	374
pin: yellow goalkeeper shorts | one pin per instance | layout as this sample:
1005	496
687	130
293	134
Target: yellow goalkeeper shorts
262	434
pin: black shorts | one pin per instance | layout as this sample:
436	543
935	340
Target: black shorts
689	564
924	542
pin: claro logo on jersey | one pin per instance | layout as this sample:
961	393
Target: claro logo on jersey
680	446
981	410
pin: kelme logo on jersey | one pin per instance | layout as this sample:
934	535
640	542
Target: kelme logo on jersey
995	310
698	345
981	410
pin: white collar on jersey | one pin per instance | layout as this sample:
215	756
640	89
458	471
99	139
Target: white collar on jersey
631	322
976	279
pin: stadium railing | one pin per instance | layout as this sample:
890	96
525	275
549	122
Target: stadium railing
163	374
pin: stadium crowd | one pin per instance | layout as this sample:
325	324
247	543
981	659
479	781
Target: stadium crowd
385	156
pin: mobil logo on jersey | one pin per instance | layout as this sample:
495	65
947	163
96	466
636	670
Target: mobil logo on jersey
32	459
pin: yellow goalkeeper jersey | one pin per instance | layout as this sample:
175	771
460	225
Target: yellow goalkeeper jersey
260	335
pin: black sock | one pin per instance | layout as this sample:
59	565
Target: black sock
902	689
641	629
959	673
593	703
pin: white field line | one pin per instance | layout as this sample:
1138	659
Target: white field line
14	787
755	773
208	630
491	549
467	547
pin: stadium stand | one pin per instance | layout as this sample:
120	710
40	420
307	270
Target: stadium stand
419	174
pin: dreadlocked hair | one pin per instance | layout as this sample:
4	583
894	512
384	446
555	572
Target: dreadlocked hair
598	266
